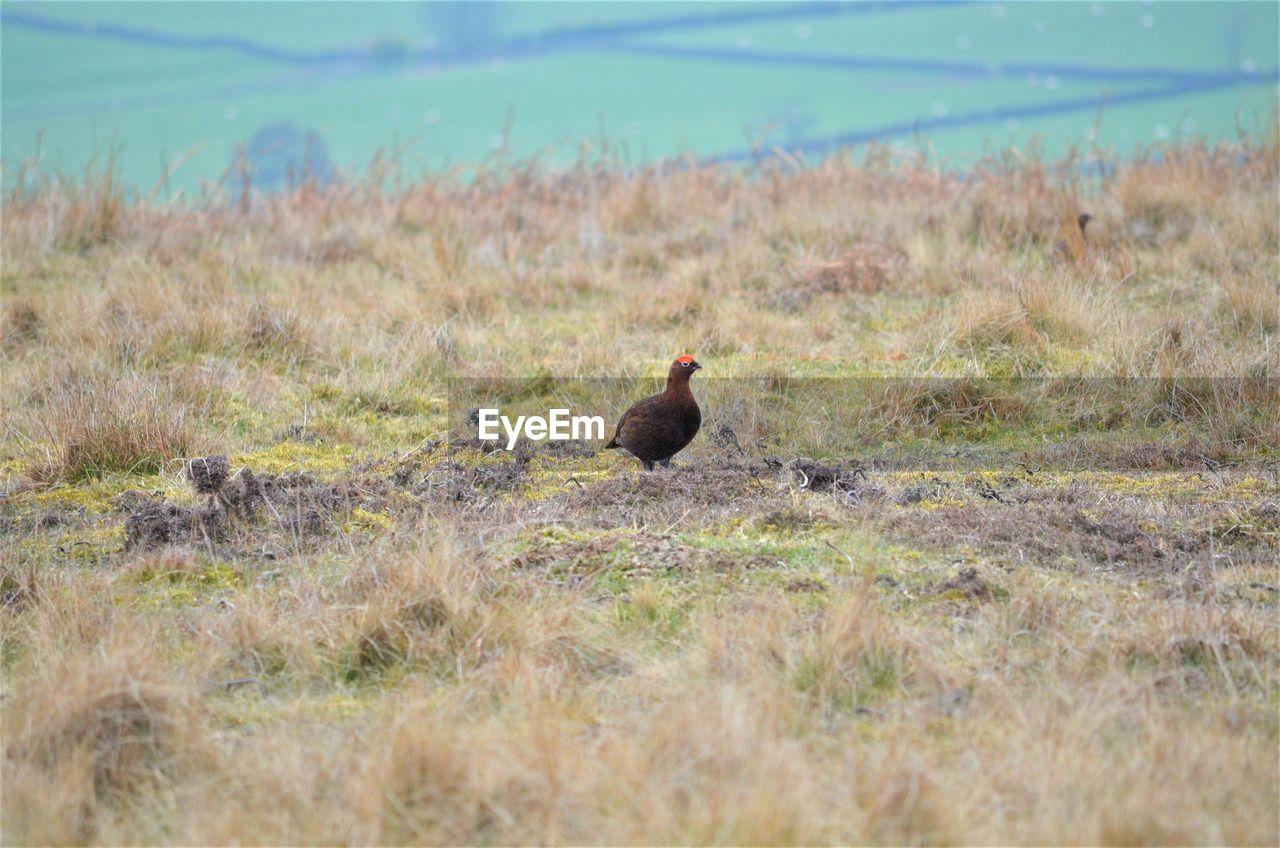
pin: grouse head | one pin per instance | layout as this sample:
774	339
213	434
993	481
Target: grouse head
681	370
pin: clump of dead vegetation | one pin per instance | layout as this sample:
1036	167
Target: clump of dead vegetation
77	213
866	269
296	503
92	428
105	731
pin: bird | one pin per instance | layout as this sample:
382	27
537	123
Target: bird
1073	243
657	428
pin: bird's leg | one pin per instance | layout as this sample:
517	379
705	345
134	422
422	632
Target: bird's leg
648	466
665	463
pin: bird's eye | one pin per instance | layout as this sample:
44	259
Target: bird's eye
684	365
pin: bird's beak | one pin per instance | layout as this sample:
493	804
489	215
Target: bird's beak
696	366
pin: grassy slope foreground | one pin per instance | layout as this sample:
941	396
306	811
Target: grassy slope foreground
990	608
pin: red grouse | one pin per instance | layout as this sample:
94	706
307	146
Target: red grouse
657	428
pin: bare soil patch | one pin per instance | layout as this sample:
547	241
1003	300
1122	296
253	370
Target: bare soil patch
967	584
633	553
294	502
1080	524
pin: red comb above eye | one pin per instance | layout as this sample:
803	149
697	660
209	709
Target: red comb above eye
685	358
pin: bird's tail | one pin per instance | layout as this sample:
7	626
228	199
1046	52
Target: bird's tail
613	443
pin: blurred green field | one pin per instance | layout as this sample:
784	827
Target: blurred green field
194	82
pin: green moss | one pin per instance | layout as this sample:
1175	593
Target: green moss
342	704
244	707
12	468
548	475
363	519
93	544
180	583
397	401
93	497
296	456
767	543
325	392
12	653
1075	361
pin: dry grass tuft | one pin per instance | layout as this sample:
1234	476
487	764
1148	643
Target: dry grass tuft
985	321
97	734
93	427
68	213
859	654
864	270
276	330
22	324
936	404
1064	310
1251	306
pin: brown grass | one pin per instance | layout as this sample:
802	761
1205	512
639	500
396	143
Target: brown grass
130	424
103	732
70	213
1042	611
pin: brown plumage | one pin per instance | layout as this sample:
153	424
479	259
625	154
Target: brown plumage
1073	245
658	427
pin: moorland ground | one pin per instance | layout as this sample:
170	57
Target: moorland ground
1019	586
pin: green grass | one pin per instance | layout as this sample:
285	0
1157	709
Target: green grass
171	103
